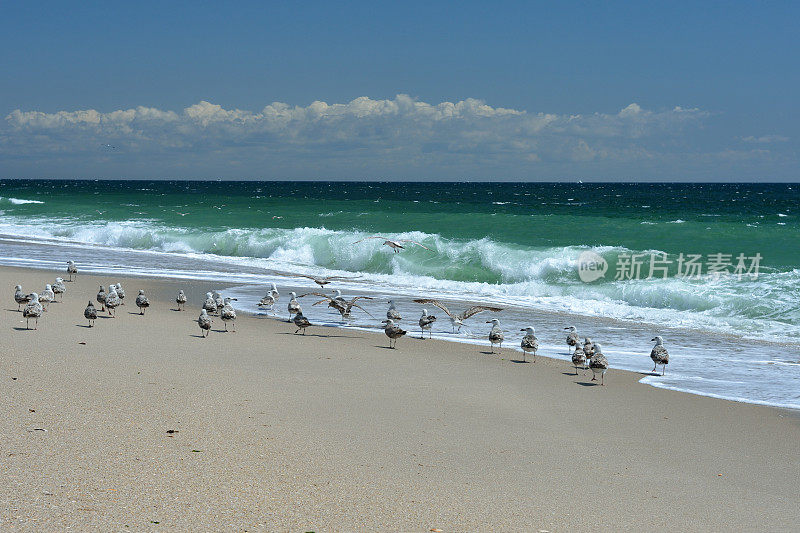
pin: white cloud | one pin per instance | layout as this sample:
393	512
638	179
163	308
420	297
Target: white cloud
765	139
362	133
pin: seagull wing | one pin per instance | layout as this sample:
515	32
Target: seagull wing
475	309
437	303
316	294
353	304
414	242
373	237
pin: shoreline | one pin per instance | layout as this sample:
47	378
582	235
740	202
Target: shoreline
333	431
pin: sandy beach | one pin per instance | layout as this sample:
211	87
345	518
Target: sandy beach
333	431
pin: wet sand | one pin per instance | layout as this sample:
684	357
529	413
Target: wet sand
333	431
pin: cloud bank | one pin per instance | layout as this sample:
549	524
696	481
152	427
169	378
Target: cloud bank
364	137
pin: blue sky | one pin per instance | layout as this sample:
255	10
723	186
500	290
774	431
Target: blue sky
527	90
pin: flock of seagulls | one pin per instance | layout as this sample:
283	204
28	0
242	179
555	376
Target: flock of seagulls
586	356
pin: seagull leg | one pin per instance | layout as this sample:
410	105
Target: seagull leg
654	367
663	369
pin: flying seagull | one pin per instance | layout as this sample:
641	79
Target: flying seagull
340	304
393	243
321	280
458	320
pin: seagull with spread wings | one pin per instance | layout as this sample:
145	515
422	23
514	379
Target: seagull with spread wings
458	320
321	280
340	304
393	243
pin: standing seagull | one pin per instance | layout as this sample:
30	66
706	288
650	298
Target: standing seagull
142	302
294	307
204	321
426	322
210	305
180	299
529	343
90	313
72	270
579	359
269	300
20	297
393	243
33	309
572	338
101	298
392	313
458	320
112	302
59	288
659	355
47	296
219	300
393	331
495	335
228	314
588	348
598	364
274	291
120	293
301	322
340	304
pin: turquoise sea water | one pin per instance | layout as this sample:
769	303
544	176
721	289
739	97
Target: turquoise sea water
512	243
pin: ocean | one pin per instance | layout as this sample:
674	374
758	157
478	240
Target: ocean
712	268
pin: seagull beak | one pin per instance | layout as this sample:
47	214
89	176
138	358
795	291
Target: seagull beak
652	340
523	329
566	328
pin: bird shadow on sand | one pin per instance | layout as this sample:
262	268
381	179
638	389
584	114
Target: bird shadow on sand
133	313
569	374
83	326
14	310
490	353
198	336
23	329
385	347
319	335
587	383
519	361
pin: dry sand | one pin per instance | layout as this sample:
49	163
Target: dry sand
333	431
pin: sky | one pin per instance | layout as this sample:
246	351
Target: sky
639	91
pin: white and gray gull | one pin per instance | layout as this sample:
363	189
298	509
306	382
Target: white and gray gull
495	335
101	298
32	309
529	343
72	269
180	299
20	297
112	302
659	355
344	307
59	288
294	306
458	319
598	364
426	322
47	296
572	338
395	244
90	313
392	313
142	302
393	331
228	314
204	321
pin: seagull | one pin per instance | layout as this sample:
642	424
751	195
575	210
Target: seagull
300	321
275	293
426	322
120	293
588	347
579	359
101	298
210	305
33	309
393	331
47	296
458	320
20	297
495	335
529	343
269	300
598	363
294	306
90	313
112	301
340	304
228	314
659	355
392	313
572	338
72	270
321	280
180	299
393	243
59	288
142	302
204	321
337	295
219	300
